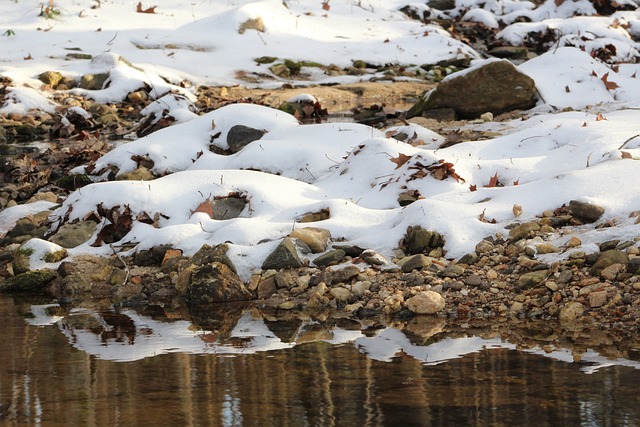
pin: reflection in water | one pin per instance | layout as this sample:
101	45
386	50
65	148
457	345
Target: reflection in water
106	367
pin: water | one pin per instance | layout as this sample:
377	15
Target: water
244	366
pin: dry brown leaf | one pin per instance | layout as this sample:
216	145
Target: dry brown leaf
609	85
516	182
517	210
626	155
493	182
566	89
325	5
600	117
400	160
205	207
473	187
140	9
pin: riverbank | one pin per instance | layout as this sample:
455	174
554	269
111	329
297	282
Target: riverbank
507	277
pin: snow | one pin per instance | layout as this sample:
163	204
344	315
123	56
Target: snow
569	146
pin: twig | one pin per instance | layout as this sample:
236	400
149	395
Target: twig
628	140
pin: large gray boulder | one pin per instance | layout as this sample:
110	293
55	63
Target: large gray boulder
495	87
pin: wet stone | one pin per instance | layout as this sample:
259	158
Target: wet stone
216	282
30	281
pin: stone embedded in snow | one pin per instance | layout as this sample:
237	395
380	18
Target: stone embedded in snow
228	207
586	212
284	255
495	87
240	136
426	302
72	235
93	81
420	240
216	282
316	238
37	251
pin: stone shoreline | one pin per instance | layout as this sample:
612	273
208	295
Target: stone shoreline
502	280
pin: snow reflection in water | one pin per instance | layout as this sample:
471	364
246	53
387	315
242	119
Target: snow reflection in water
126	336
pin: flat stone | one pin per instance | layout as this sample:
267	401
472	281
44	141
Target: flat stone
547	248
373	258
332	257
426	302
453	270
267	287
344	275
611	272
30	281
415	262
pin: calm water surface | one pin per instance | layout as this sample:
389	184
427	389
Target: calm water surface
62	367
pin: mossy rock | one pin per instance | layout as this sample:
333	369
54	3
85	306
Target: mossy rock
266	59
73	182
31	281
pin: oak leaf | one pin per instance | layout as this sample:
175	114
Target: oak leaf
139	8
400	160
609	85
205	207
493	182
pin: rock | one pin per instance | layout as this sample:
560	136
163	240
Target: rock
426	302
358	289
352	251
610	244
474	280
441	4
415	262
208	254
321	215
373	258
469	259
633	267
484	247
267	287
215	282
585	212
30	281
239	136
153	256
340	294
51	78
140	174
597	299
284	279
37	249
25	229
74	181
570	312
419	240
283	256
523	231
611	272
72	235
574	242
516	307
607	258
495	87
316	238
228	207
93	81
531	279
453	270
547	248
75	284
344	275
332	257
